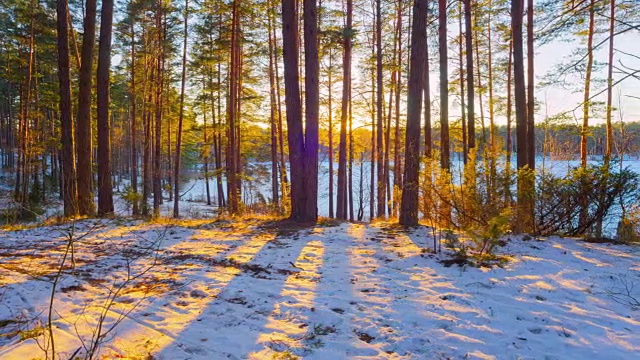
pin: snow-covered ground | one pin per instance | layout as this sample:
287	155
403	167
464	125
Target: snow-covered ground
217	289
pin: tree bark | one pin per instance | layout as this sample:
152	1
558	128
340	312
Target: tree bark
303	149
133	129
463	110
471	125
66	123
445	161
381	194
341	210
275	196
105	185
409	207
176	169
531	101
586	107
157	157
612	26
83	121
525	184
312	103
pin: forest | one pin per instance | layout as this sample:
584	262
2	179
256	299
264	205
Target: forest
348	162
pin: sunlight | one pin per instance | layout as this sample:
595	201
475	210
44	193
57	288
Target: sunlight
459	337
171	319
156	324
298	293
598	263
397	241
542	285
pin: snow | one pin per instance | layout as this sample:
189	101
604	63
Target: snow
249	289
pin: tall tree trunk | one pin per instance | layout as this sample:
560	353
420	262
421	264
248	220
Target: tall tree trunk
509	144
176	169
426	86
275	196
133	130
381	194
612	26
525	181
397	161
387	137
105	185
66	123
312	103
531	101
205	155
24	159
471	125
483	128
221	198
492	127
445	162
83	121
283	166
409	207
303	150
341	212
146	156
463	110
586	107
350	165
232	164
330	106
157	157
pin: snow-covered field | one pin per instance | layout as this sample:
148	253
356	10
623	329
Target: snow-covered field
218	289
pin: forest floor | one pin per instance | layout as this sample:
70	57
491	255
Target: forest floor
256	289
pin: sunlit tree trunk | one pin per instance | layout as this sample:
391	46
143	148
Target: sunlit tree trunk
341	210
380	193
586	107
509	144
330	131
105	185
205	153
463	110
397	141
275	196
612	26
303	148
83	121
427	103
445	162
66	123
409	206
471	121
157	157
312	103
531	100
133	127
492	126
525	182
176	169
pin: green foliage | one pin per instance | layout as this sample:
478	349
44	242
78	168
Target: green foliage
468	198
31	333
285	355
130	197
486	238
628	230
572	205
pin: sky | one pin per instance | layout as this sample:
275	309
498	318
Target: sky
557	100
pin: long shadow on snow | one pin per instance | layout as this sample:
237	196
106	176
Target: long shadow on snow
244	299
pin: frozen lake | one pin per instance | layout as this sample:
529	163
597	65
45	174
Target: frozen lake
258	187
